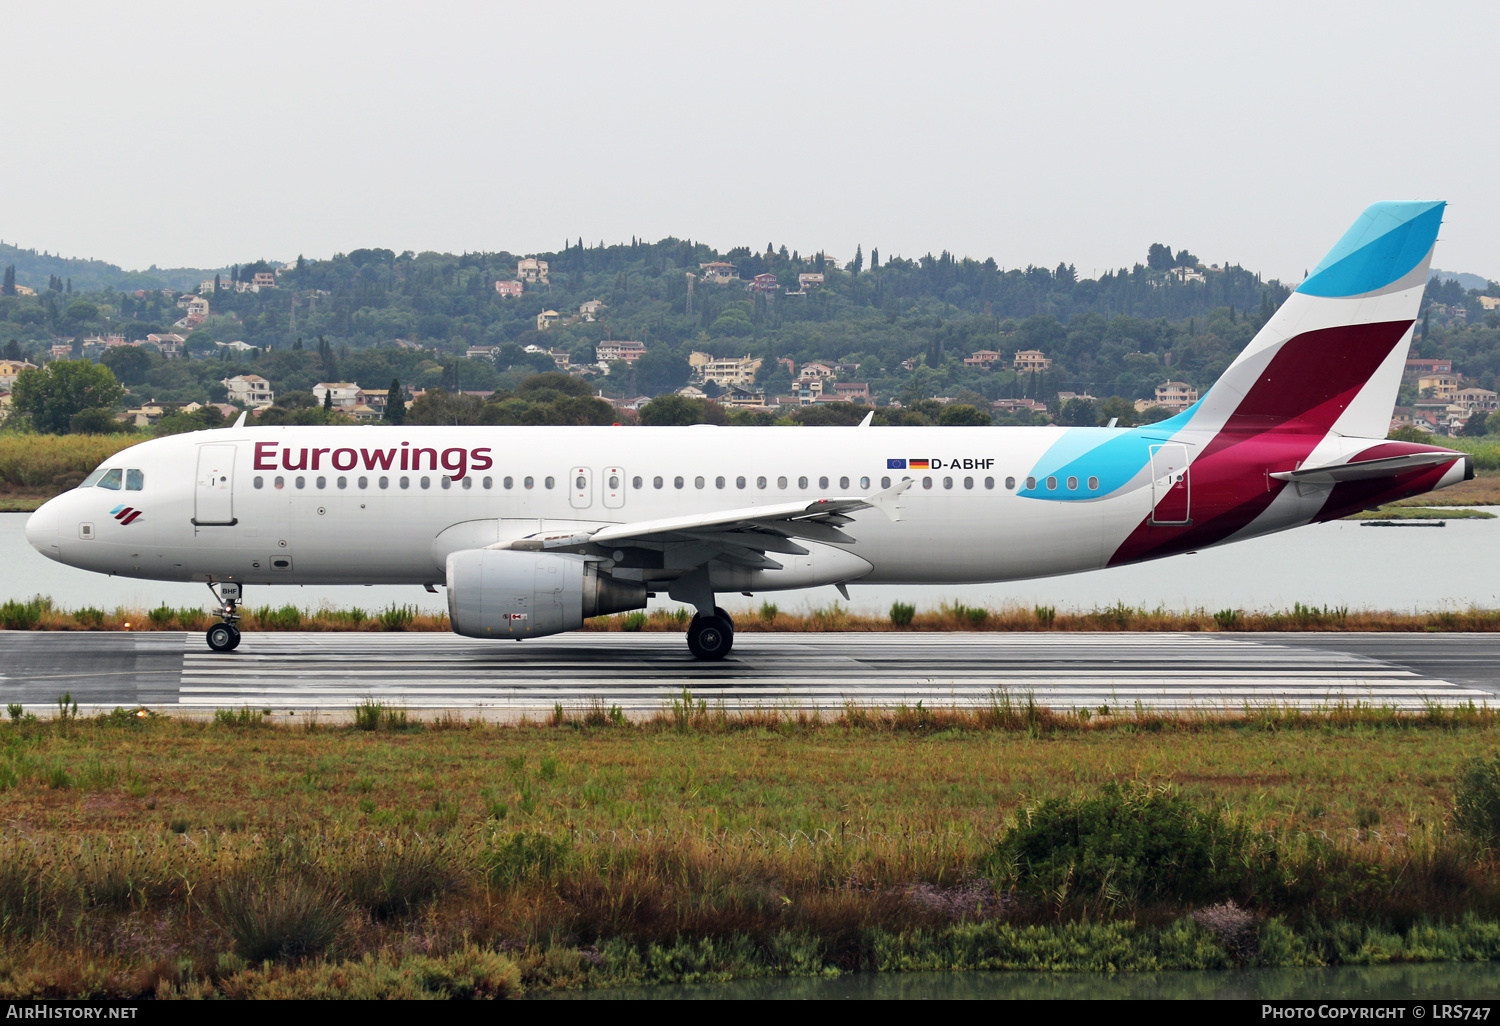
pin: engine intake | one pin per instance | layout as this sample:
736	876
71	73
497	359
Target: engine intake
503	593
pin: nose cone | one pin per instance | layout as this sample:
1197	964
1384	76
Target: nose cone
42	529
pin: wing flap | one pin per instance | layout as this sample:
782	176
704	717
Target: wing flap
1365	469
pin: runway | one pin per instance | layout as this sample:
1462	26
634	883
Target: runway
644	673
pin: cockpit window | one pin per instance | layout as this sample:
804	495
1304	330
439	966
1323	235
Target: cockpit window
111	479
135	480
92	479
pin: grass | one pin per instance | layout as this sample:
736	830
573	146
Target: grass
395	857
1399	512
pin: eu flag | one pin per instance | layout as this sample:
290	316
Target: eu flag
895	464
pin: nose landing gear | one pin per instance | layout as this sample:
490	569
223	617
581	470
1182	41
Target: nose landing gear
225	636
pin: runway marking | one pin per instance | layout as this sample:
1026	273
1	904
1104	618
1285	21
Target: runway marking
826	672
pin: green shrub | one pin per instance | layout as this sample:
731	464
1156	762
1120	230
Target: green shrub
1132	844
1227	619
902	613
241	717
370	714
395	877
287	618
1476	799
1045	615
633	621
162	616
768	611
526	856
21	616
397	618
88	616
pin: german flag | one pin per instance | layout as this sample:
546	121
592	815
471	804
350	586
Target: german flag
917	464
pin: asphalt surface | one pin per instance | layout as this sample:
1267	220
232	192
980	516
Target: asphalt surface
643	673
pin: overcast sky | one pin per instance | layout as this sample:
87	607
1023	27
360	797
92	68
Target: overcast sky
198	135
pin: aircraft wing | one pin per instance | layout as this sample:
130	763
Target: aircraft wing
738	536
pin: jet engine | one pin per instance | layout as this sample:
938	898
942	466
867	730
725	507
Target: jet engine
504	593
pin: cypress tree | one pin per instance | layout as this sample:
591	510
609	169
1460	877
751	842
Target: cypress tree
395	404
9	286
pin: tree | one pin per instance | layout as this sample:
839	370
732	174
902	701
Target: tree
1185	259
1477	424
130	364
51	395
1159	257
661	370
672	409
875	259
859	260
963	415
1117	407
395	404
13	350
8	288
328	398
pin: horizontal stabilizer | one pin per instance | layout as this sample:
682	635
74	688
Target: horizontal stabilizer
1366	469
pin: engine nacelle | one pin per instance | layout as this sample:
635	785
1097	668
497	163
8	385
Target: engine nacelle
503	593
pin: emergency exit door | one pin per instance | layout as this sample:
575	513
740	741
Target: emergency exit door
580	487
1171	493
213	500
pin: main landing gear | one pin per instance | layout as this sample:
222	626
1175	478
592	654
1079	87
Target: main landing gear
225	636
711	637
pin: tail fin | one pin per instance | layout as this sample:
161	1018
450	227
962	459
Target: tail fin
1331	359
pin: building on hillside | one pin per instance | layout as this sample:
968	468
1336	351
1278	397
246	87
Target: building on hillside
590	311
1021	405
729	371
374	398
1186	274
719	273
532	270
10	370
1442	386
808	282
814	370
982	358
854	391
561	358
546	319
510	289
1420	367
742	397
763	283
236	347
250	390
1476	400
345	394
1063	397
480	352
609	352
1027	360
263	280
25	290
1175	395
1490	302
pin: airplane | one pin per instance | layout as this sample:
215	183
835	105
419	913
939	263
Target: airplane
533	530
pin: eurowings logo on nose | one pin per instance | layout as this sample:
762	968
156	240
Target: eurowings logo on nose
125	514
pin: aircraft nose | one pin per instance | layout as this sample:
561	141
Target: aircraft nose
42	529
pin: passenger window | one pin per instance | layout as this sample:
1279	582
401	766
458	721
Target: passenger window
802	483
968	482
635	482
405	482
343	482
1072	484
135	481
678	482
843	484
1051	484
280	483
781	483
760	482
947	482
549	482
384	482
425	482
864	484
1030	483
111	480
657	482
322	482
614	482
582	482
1010	483
823	483
445	480
739	482
926	482
718	482
529	482
1093	484
698	482
488	482
468	482
509	483
885	482
302	481
258	481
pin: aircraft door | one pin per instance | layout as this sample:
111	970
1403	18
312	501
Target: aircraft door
614	487
213	500
1170	486
580	487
